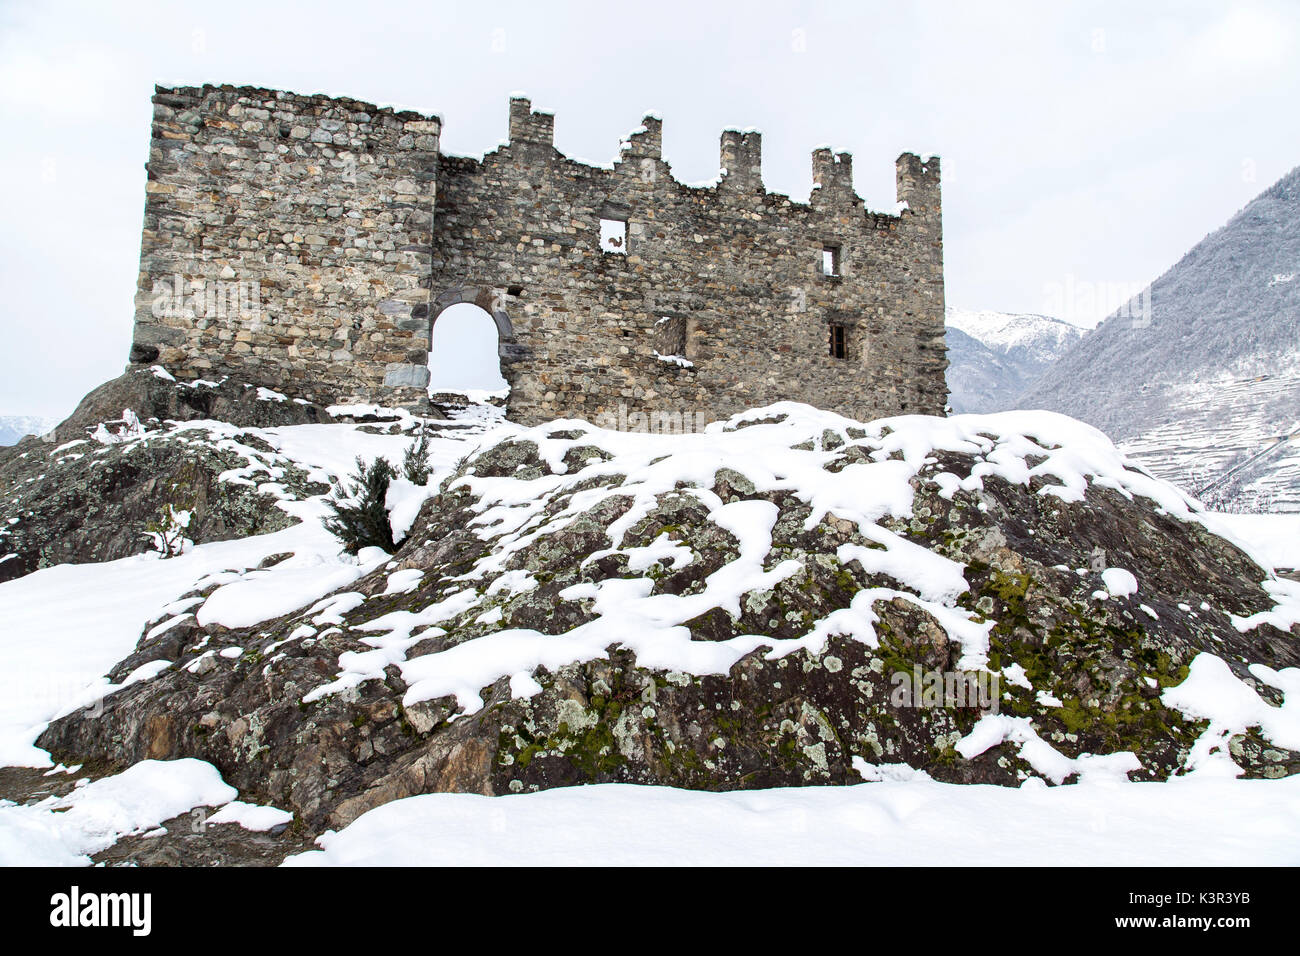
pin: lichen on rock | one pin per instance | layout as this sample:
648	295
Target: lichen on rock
779	601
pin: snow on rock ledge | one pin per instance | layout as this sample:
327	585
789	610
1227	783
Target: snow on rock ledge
761	604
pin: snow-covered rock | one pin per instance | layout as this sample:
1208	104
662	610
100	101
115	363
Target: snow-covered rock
779	600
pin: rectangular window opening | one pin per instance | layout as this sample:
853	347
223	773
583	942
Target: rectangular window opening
613	236
830	260
839	342
670	334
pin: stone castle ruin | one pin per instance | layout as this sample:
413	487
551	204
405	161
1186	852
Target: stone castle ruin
309	243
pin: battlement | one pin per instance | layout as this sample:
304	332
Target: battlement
741	159
527	126
309	243
832	174
646	142
918	184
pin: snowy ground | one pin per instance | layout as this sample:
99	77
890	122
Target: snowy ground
1275	537
63	831
66	626
913	822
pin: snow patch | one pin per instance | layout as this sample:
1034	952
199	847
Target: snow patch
65	831
1119	583
251	817
993	729
901	818
1213	692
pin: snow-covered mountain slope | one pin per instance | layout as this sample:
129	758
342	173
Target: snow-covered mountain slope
1235	445
14	427
1206	378
994	356
979	379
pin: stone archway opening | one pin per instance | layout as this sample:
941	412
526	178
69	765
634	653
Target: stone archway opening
464	352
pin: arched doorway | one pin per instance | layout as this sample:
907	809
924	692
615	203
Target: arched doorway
464	354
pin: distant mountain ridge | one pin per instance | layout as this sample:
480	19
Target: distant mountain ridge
14	427
994	356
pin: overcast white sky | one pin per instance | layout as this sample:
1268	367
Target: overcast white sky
1085	146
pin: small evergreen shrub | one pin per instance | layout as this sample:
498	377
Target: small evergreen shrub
362	520
415	464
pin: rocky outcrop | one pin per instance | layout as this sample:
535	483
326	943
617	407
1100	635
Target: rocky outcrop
765	605
109	473
152	393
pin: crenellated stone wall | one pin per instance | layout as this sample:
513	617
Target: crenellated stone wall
358	233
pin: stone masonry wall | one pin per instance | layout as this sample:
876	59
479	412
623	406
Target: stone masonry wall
286	241
716	302
742	267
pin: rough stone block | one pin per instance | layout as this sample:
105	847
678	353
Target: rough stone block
415	376
413	324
